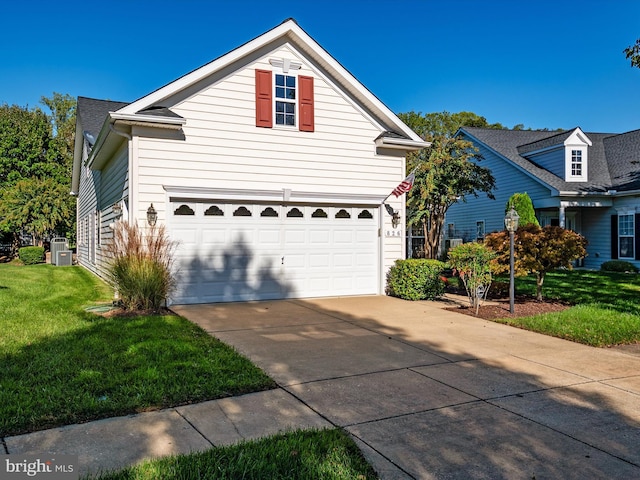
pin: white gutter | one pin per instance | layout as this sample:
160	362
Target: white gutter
133	117
401	143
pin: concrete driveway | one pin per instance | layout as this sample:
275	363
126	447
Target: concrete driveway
429	393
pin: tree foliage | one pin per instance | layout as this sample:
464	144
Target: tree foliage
37	206
537	250
444	173
36	157
633	54
522	204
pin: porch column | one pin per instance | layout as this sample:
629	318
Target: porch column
561	216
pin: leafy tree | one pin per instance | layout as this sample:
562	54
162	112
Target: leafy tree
63	123
36	153
522	204
537	250
444	173
24	141
37	206
633	54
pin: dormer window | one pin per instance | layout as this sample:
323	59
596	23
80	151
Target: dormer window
576	163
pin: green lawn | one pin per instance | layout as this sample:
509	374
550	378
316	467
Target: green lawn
311	454
63	365
606	307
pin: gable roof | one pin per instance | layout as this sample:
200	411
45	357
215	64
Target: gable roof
289	31
609	168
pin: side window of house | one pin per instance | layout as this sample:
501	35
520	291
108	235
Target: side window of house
626	237
286	100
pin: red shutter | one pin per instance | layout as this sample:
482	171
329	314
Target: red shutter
306	121
264	103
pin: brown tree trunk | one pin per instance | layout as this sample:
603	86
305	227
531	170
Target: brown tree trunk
539	282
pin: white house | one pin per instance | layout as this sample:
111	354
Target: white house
269	166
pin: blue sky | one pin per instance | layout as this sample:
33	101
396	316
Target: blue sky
545	64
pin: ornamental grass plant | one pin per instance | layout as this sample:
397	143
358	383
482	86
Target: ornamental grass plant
141	266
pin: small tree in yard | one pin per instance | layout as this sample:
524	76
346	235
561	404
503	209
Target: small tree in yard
141	266
537	250
472	262
522	204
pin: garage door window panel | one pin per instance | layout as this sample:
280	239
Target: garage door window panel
242	212
295	213
342	213
183	210
214	211
268	212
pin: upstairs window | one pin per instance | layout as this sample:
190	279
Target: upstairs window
576	163
285	100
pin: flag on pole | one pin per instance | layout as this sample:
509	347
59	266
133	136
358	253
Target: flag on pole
405	185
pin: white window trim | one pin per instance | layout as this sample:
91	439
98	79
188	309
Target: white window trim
632	236
569	149
287	67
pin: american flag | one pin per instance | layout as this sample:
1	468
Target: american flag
404	186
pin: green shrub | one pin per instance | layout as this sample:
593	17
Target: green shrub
473	263
31	255
416	279
618	266
141	266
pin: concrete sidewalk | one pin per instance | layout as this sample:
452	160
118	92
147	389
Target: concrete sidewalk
426	393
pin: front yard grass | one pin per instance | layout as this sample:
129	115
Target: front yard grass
326	454
60	364
606	307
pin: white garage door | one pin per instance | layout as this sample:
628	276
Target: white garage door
243	251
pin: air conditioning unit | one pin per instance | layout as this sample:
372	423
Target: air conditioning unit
56	245
64	258
452	242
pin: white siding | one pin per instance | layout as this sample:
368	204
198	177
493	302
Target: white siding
223	148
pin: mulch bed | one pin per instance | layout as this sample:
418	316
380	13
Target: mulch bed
522	308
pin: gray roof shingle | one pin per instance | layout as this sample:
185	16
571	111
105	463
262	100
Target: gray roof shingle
610	157
92	113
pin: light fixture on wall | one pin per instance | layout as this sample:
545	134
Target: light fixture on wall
117	209
395	219
395	215
152	216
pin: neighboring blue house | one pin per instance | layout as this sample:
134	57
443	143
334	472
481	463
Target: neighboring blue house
586	182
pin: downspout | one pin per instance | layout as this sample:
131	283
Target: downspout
129	166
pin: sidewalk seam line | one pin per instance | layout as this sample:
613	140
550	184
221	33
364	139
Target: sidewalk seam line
194	427
4	445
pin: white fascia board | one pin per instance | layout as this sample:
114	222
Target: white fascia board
147	119
200	73
401	143
298	36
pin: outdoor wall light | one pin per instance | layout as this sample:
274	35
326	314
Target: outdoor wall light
117	209
395	219
152	216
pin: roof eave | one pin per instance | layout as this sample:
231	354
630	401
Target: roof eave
297	35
